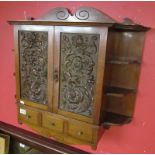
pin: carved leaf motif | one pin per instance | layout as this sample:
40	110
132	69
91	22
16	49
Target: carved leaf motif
33	65
79	53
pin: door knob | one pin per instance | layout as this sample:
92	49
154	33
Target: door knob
56	75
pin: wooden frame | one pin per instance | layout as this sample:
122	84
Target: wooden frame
4	143
45	145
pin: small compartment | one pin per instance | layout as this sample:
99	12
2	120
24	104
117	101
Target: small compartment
123	104
124	75
52	122
80	131
123	44
115	119
29	116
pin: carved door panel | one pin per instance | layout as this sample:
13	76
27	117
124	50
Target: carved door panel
33	50
79	57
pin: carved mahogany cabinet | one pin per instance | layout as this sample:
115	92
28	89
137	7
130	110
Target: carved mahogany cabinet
76	72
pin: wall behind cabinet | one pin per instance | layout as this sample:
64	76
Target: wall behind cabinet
136	137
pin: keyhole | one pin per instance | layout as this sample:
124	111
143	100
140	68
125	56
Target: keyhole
53	124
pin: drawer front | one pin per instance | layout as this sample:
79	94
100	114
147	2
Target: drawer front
29	116
80	131
53	122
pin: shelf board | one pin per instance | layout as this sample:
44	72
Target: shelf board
118	91
120	62
115	119
123	60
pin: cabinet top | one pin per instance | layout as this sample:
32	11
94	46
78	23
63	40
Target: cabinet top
84	16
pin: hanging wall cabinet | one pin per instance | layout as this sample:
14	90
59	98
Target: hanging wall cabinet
76	72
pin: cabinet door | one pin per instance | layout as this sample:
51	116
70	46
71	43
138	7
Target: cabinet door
33	46
79	58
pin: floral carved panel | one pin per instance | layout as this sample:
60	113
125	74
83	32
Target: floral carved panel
33	47
79	55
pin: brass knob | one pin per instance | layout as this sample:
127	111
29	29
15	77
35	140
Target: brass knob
28	116
80	133
53	124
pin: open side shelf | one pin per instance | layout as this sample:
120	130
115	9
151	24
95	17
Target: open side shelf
116	119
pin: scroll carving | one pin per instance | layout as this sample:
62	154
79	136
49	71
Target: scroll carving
62	14
33	65
79	54
84	14
56	14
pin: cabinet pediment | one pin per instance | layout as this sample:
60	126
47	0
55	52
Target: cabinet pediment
83	14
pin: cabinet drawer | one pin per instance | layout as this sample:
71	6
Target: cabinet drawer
80	131
29	116
53	122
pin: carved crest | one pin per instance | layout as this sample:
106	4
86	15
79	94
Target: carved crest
84	14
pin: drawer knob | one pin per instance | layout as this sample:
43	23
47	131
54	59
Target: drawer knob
53	124
28	116
80	133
